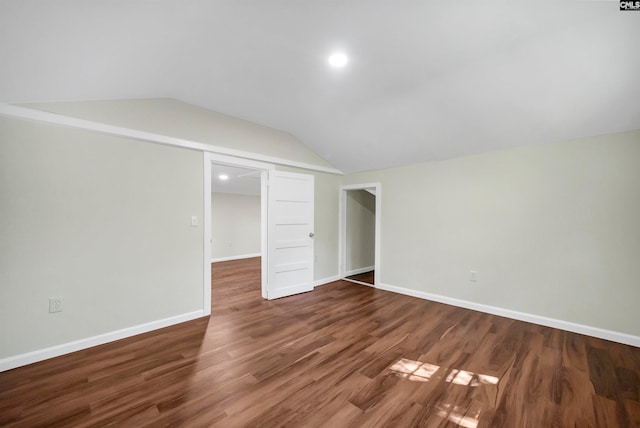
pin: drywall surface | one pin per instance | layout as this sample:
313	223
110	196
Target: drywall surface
174	118
235	225
360	230
100	221
552	230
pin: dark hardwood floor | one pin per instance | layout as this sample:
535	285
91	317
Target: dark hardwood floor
343	355
367	277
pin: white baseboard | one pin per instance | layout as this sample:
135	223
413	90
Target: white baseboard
358	282
327	280
77	345
360	270
243	256
614	336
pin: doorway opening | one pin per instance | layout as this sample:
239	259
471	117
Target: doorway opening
286	227
360	207
235	213
235	210
235	224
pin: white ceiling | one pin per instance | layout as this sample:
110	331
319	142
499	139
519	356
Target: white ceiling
426	79
241	180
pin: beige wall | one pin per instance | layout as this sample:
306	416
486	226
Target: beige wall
104	222
174	118
235	225
552	230
100	221
360	230
327	188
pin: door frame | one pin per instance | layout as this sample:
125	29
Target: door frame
264	168
342	228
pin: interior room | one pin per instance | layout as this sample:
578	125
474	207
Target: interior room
348	214
235	213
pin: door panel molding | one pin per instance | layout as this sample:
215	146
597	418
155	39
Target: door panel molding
290	241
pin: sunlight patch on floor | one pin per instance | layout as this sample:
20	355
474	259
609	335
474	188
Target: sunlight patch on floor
418	371
457	416
422	372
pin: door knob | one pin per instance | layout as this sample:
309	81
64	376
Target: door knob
310	234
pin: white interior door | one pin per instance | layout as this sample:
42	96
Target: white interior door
290	241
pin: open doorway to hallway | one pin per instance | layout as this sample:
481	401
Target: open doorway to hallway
359	233
228	178
235	213
236	219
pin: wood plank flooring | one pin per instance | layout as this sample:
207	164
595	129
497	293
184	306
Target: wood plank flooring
368	277
345	355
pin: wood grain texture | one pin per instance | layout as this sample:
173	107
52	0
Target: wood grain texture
344	355
368	277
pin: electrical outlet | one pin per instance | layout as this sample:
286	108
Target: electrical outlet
55	305
473	276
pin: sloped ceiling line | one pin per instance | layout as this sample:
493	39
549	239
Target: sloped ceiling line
72	122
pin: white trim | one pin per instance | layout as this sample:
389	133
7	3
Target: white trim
206	234
358	282
73	122
361	186
77	345
327	280
614	336
234	161
342	229
359	271
378	237
264	232
240	257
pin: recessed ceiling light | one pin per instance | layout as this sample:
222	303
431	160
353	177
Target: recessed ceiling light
338	60
223	177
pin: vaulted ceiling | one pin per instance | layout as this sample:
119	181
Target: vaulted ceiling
425	80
